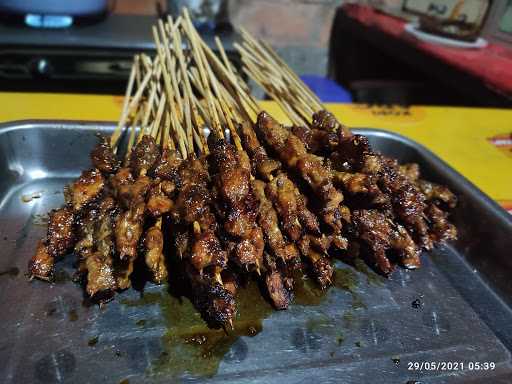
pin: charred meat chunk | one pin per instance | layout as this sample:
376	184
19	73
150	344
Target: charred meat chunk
85	189
101	279
144	155
167	165
60	238
103	157
154	256
41	264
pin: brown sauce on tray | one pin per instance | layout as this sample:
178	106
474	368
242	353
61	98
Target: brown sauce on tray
190	347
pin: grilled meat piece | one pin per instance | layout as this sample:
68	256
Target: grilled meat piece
262	165
308	219
194	198
154	257
411	171
436	192
168	187
102	156
281	192
130	193
85	189
373	228
239	207
60	238
233	179
101	279
41	264
85	232
269	223
319	265
207	251
192	203
128	231
215	303
408	252
360	184
230	281
246	251
120	179
440	228
351	154
293	153
144	155
158	203
316	141
167	165
278	291
381	234
325	121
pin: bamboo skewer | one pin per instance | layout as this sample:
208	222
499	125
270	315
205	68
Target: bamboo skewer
190	30
224	74
170	89
274	61
272	73
275	86
117	132
190	113
153	99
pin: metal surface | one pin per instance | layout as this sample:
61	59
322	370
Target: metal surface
368	333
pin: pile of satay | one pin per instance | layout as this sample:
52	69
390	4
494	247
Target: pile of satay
197	182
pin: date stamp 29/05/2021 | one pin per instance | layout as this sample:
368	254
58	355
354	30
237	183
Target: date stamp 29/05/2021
426	366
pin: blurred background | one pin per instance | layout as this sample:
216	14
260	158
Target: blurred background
439	52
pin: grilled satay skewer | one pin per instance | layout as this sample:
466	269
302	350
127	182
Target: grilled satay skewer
61	237
251	214
325	133
79	196
131	193
201	255
264	167
377	176
232	173
132	185
159	203
297	221
291	207
129	224
309	167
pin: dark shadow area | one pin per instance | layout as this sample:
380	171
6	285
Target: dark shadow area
382	69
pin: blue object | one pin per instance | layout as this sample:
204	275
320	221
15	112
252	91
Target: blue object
48	21
327	90
54	7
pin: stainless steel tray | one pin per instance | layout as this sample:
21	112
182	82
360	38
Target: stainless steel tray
366	330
